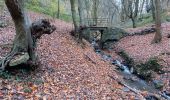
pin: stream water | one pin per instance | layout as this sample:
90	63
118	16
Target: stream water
131	79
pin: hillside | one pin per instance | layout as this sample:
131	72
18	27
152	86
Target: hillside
67	71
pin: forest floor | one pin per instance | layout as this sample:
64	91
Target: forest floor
68	70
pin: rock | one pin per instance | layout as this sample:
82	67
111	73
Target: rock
125	89
19	59
97	50
95	45
125	69
110	35
117	63
106	57
151	97
86	34
113	34
2	24
167	93
158	84
168	36
168	19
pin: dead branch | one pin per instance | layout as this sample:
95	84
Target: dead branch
90	59
41	27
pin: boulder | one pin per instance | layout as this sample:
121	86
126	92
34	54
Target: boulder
19	59
158	84
86	34
2	24
109	35
113	34
168	19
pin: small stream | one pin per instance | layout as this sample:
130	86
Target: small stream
131	79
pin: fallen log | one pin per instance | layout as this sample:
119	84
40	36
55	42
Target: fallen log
143	31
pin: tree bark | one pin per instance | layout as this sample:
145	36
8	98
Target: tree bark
58	13
73	10
80	9
158	36
153	10
141	9
95	6
133	22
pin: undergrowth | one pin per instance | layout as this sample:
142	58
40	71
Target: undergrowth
51	10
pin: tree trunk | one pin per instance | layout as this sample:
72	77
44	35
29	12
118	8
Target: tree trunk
73	10
58	13
133	22
135	14
80	9
23	50
23	42
158	36
153	10
1	7
141	10
131	10
95	4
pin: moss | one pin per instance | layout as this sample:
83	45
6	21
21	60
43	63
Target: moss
128	60
145	70
27	90
20	59
5	75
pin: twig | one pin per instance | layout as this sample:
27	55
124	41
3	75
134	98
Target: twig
90	59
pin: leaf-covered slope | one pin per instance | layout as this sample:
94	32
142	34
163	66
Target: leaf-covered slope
66	71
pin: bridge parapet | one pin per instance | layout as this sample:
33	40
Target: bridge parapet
99	22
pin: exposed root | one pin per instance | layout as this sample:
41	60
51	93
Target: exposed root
6	60
18	59
8	45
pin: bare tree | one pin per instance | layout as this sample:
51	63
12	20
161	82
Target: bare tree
131	8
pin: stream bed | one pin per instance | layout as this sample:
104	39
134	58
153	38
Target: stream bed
133	80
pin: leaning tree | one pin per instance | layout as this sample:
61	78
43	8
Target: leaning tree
24	44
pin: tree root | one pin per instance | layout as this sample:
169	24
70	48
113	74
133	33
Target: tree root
14	58
19	59
6	60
